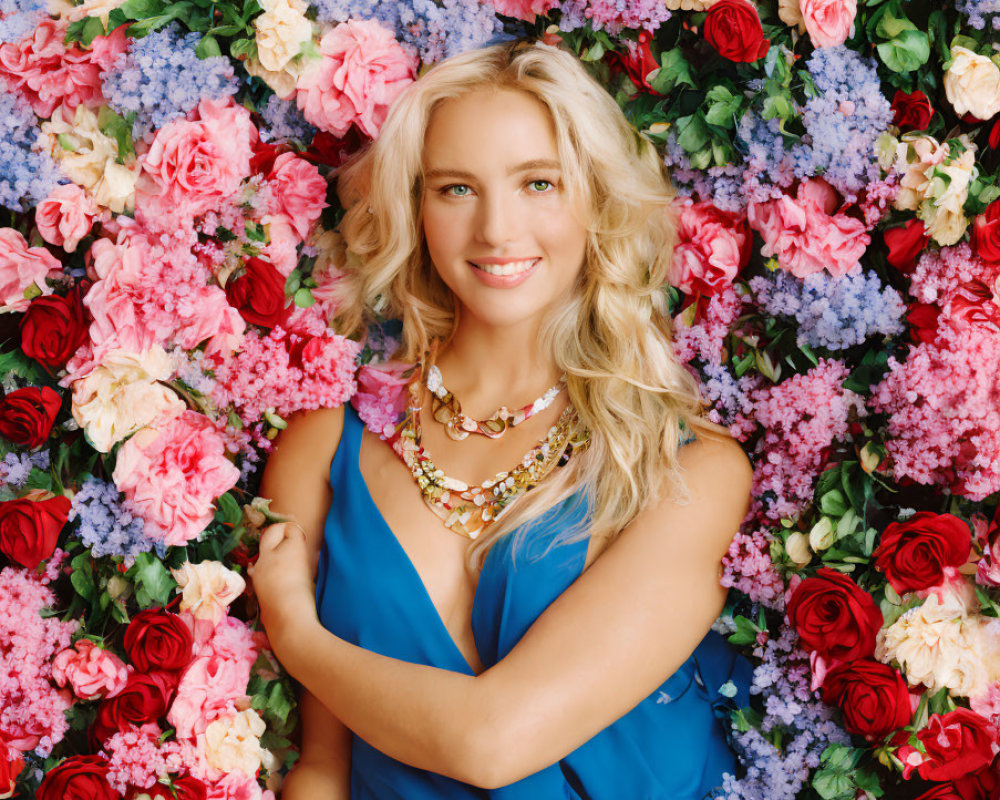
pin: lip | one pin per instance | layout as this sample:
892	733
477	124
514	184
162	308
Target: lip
496	260
503	281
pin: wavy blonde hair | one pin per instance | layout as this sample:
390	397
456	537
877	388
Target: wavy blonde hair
612	337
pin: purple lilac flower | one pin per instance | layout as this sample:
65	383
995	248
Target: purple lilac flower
979	12
160	79
728	396
843	123
20	17
613	16
16	467
832	312
434	30
283	121
27	175
106	526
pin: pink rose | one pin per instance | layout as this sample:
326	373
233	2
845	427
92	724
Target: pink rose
65	216
362	71
524	9
23	268
805	236
172	476
828	22
299	191
195	163
92	671
714	247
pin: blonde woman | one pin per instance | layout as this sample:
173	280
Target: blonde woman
542	632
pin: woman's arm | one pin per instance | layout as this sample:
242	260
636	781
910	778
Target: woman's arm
323	771
603	646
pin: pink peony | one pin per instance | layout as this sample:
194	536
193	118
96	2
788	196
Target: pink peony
524	9
714	246
92	671
282	249
194	164
23	269
65	216
828	22
803	233
363	70
172	476
299	191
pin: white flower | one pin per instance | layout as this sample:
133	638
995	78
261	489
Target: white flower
281	31
972	84
209	588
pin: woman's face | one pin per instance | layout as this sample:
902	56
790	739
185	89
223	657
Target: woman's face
502	230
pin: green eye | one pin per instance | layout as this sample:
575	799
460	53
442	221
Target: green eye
458	190
541	186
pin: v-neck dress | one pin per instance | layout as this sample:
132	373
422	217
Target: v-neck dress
671	746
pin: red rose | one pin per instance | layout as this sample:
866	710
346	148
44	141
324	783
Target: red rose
923	321
911	112
914	553
972	302
29	529
872	696
189	787
994	138
259	294
982	785
834	616
637	62
943	791
53	328
11	764
333	151
957	744
78	778
157	639
145	698
905	244
27	415
986	234
733	28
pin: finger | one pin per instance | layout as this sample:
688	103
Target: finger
273	536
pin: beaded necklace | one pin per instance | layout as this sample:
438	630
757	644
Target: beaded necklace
465	509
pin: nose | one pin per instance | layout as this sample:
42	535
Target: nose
497	219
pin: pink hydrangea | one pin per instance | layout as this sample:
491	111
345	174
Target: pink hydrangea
362	71
92	671
47	73
138	758
944	420
801	417
171	475
65	216
194	164
22	269
524	9
381	397
713	247
805	235
747	567
298	191
701	329
32	709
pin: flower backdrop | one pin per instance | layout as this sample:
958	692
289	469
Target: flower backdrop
167	255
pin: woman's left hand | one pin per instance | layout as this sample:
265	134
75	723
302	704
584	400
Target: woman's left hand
283	584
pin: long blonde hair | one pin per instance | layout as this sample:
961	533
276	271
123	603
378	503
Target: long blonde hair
612	338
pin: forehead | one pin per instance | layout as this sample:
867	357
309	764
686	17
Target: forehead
489	126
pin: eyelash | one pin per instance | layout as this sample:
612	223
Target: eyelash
446	190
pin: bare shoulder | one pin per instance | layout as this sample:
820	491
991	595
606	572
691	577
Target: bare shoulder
716	463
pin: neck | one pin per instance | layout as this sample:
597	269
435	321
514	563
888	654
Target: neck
487	366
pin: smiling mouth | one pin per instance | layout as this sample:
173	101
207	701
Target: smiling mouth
510	268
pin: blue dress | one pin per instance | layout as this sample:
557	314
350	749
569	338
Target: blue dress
669	747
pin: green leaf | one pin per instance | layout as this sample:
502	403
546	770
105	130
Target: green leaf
674	71
142	9
230	510
81	577
746	632
831	785
304	298
156	584
243	47
906	52
891	22
723	107
207	47
118	128
833	504
692	133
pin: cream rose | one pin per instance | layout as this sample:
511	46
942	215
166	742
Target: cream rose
123	395
790	12
282	82
208	589
89	8
972	84
281	31
233	743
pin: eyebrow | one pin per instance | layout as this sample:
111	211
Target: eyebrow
524	166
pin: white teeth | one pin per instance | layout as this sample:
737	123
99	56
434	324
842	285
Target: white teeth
512	268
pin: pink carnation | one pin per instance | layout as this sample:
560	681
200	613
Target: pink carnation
828	22
714	246
47	73
299	191
65	216
381	397
171	476
363	70
195	164
237	786
805	235
91	670
700	330
524	9
23	268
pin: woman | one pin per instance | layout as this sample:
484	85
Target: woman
518	226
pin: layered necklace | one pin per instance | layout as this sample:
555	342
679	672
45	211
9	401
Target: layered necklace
464	509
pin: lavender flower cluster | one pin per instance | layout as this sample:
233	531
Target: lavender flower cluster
19	17
613	15
16	467
160	78
979	12
27	175
844	122
282	120
434	30
833	312
106	526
